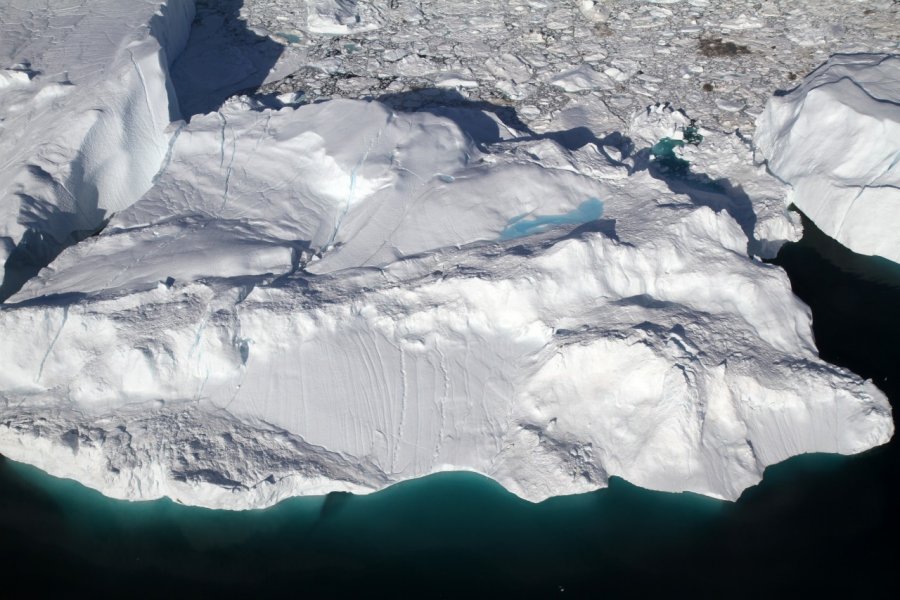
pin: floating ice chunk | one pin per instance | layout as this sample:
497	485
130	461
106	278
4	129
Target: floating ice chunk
454	80
646	346
339	17
316	299
731	105
836	139
583	78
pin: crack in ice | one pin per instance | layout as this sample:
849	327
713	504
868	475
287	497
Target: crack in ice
52	343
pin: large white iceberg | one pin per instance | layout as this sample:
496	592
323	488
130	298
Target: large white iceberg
836	139
340	297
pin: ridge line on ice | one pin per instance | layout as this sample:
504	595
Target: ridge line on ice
140	75
353	173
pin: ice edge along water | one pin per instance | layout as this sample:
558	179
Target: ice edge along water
834	138
233	354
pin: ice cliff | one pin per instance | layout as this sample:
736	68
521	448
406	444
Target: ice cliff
836	139
341	296
85	103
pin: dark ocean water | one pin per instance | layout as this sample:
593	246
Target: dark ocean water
817	524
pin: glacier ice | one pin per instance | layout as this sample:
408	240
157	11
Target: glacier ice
836	139
341	296
85	109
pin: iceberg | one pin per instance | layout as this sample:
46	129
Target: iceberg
835	139
341	296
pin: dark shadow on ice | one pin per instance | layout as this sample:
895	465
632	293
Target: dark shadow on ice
579	137
37	249
64	299
605	227
222	58
646	301
702	190
207	476
468	115
34	252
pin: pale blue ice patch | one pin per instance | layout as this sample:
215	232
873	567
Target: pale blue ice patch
290	37
589	210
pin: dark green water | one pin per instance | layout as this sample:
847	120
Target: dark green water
817	523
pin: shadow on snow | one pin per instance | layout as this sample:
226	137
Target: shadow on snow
222	58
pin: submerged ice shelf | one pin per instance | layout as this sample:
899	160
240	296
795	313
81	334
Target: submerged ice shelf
342	295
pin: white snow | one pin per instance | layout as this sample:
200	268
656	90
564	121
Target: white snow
584	78
836	139
343	295
84	117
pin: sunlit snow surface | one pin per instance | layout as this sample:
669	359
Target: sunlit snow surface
343	295
836	140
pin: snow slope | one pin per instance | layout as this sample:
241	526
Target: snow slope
836	139
342	296
85	103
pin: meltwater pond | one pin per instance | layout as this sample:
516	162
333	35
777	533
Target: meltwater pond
817	523
589	210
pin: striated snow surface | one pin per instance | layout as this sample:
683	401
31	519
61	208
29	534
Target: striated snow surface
836	139
84	109
343	295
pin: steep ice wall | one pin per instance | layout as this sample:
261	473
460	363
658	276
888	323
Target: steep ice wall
85	106
836	139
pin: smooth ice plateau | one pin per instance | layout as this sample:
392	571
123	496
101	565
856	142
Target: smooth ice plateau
342	296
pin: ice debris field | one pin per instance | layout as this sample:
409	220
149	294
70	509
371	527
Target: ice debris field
225	286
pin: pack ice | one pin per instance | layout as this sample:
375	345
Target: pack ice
341	297
836	139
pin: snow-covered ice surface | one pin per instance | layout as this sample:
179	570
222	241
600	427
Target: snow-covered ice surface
84	111
343	295
836	140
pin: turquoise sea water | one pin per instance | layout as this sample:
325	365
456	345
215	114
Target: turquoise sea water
817	524
663	152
